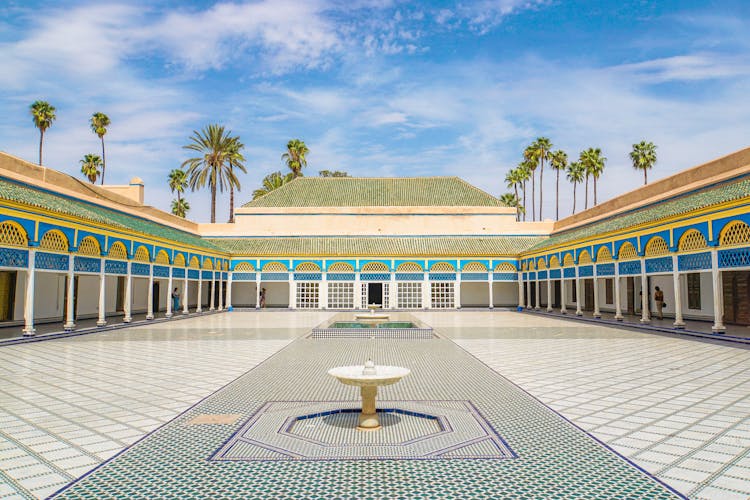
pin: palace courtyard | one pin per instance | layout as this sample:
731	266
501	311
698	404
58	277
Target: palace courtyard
521	406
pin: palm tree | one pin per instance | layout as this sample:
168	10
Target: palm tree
180	207
178	182
294	157
333	173
511	200
593	162
271	182
235	159
644	158
99	124
213	144
43	114
529	156
541	148
525	172
559	161
575	174
90	167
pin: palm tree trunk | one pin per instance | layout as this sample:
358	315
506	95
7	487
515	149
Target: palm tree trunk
574	197
557	196
533	196
645	173
231	203
213	203
41	140
524	201
104	161
586	205
518	202
595	191
541	186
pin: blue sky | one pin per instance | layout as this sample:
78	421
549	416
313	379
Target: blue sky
378	87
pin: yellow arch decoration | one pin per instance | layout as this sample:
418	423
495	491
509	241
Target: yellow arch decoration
162	258
195	263
275	267
54	240
375	267
541	264
568	260
692	240
409	267
13	234
307	267
442	267
244	266
604	255
475	267
627	252
118	251
554	262
584	257
656	246
505	267
89	246
141	255
734	233
207	264
340	267
179	260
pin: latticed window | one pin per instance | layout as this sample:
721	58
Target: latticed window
340	267
540	264
532	266
162	258
409	267
13	235
505	267
54	241
409	295
627	252
307	267
179	260
340	295
442	295
692	240
307	295
118	251
524	267
375	267
365	294
736	233
656	246
568	260
604	255
442	267
207	264
194	263
475	267
584	257
89	246
554	262
274	267
244	266
141	255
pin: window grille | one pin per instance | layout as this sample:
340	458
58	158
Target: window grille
375	267
505	267
89	246
307	295
656	246
568	260
194	263
442	267
340	295
692	240
244	266
540	264
604	255
54	241
694	290
365	297
340	267
275	267
141	255
735	233
584	258
409	295
386	295
307	267
13	235
554	262
442	295
179	260
409	267
162	258
627	252
207	264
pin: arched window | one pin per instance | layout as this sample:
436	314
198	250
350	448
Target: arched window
568	260
409	267
274	267
442	267
627	252
340	267
735	233
375	267
656	246
244	266
195	263
475	267
604	255
208	264
541	264
13	235
89	246
505	267
55	241
554	262
141	255
692	240
584	257
118	251
179	260
162	258
307	267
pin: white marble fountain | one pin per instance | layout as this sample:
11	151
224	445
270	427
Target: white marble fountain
368	377
372	317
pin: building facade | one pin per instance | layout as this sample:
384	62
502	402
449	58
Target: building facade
70	250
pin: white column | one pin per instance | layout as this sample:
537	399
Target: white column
529	305
185	296
150	293
292	294
678	321
426	292
323	297
128	303
597	313
70	323
392	293
549	293
102	320
357	291
28	305
618	305
169	293
579	311
644	294
211	300
718	285
563	310
457	291
199	305
491	291
536	289
229	292
521	302
221	291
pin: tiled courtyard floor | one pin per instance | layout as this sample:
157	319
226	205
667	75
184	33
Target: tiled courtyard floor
679	408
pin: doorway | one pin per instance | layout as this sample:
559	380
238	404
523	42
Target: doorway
7	294
588	295
375	293
631	295
736	297
155	298
556	294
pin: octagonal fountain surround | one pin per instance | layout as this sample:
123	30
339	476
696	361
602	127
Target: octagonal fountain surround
368	377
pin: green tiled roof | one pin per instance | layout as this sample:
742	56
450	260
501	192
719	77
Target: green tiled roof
660	210
391	246
94	213
376	192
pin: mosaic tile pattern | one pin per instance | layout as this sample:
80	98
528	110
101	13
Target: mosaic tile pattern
66	405
679	408
556	459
